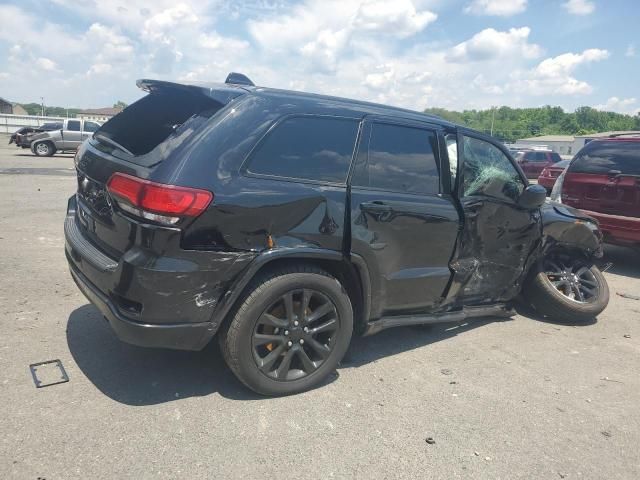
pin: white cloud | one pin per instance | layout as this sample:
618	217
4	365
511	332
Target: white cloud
502	8
580	7
215	41
630	106
399	17
162	26
553	76
382	79
46	64
320	30
481	83
630	51
490	44
99	69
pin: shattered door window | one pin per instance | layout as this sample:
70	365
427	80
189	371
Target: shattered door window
488	171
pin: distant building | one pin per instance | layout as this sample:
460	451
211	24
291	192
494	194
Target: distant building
19	110
562	144
11	108
582	140
99	114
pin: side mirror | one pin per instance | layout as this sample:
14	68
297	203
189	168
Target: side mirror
532	197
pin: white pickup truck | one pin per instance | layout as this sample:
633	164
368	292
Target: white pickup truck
67	139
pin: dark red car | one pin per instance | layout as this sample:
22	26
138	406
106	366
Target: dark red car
603	179
549	174
534	161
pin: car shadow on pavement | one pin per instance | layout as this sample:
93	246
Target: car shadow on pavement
526	310
145	376
364	350
624	261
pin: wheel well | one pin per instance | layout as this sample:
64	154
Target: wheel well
345	272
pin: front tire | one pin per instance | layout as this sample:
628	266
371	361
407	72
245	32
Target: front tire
568	289
290	331
44	149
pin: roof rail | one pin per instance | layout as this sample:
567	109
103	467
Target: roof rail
631	134
239	79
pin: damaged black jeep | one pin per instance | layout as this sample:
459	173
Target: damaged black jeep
285	222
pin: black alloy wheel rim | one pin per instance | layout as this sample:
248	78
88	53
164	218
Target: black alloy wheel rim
295	335
574	280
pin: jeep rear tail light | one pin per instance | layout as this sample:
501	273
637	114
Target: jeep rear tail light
158	202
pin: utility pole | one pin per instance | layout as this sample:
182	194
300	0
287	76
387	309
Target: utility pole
493	115
42	106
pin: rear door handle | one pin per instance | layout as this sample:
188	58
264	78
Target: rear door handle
376	206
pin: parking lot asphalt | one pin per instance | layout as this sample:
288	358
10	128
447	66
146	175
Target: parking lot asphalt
516	398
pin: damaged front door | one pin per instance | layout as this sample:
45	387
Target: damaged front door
498	235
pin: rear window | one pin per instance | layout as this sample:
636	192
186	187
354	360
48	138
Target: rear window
400	159
309	148
147	123
536	157
608	157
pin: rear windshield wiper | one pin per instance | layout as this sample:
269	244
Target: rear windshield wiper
104	138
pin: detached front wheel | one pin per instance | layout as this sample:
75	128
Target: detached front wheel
567	288
290	331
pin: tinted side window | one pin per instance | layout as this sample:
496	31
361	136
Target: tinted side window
555	158
488	171
91	126
400	159
540	157
313	148
602	157
73	125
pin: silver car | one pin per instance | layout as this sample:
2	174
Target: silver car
68	138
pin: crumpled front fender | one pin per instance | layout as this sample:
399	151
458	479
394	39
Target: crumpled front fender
570	229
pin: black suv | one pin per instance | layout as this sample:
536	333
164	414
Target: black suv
285	221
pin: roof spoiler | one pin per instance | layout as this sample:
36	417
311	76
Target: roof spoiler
239	79
220	92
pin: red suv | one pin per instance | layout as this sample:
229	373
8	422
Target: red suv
534	161
603	179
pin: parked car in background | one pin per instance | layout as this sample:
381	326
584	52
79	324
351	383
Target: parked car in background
22	137
550	173
20	133
534	161
68	137
603	180
286	222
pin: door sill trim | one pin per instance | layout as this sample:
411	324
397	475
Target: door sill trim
497	310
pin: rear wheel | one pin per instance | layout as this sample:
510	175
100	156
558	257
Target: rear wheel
567	288
44	149
289	332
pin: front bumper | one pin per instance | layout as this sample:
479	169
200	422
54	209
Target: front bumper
167	300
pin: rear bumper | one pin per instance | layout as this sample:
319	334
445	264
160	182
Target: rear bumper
167	300
190	336
618	229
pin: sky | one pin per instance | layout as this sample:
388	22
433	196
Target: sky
456	54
